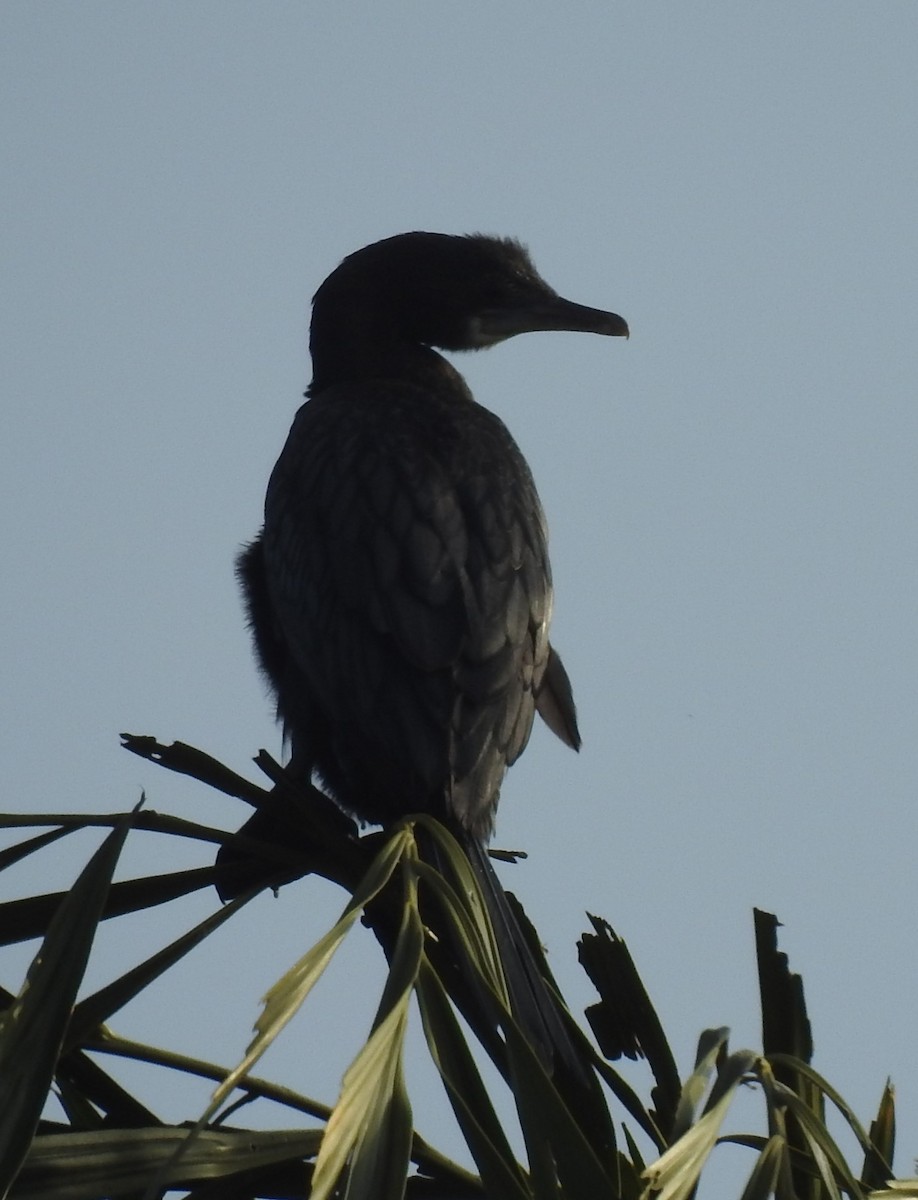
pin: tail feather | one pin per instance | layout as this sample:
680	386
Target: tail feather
535	1008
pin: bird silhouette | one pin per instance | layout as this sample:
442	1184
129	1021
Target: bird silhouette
399	593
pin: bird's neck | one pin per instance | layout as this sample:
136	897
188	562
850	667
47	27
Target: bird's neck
355	361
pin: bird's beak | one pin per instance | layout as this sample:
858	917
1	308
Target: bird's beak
552	313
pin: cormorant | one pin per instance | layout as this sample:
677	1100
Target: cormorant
399	593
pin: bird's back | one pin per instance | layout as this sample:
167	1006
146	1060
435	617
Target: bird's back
405	564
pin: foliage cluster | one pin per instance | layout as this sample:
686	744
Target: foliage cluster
110	1144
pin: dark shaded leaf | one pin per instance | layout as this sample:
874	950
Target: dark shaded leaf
86	1166
624	1020
24	919
878	1159
785	1024
187	760
786	1030
35	1023
15	854
822	1155
99	1007
82	1081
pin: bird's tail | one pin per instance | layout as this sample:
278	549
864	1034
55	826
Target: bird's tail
533	1003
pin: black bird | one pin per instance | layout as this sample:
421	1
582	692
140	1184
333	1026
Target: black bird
400	591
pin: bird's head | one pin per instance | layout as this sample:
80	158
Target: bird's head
454	293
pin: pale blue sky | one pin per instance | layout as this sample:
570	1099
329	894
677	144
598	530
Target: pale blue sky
732	494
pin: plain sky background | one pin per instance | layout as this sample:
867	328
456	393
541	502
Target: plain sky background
732	494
